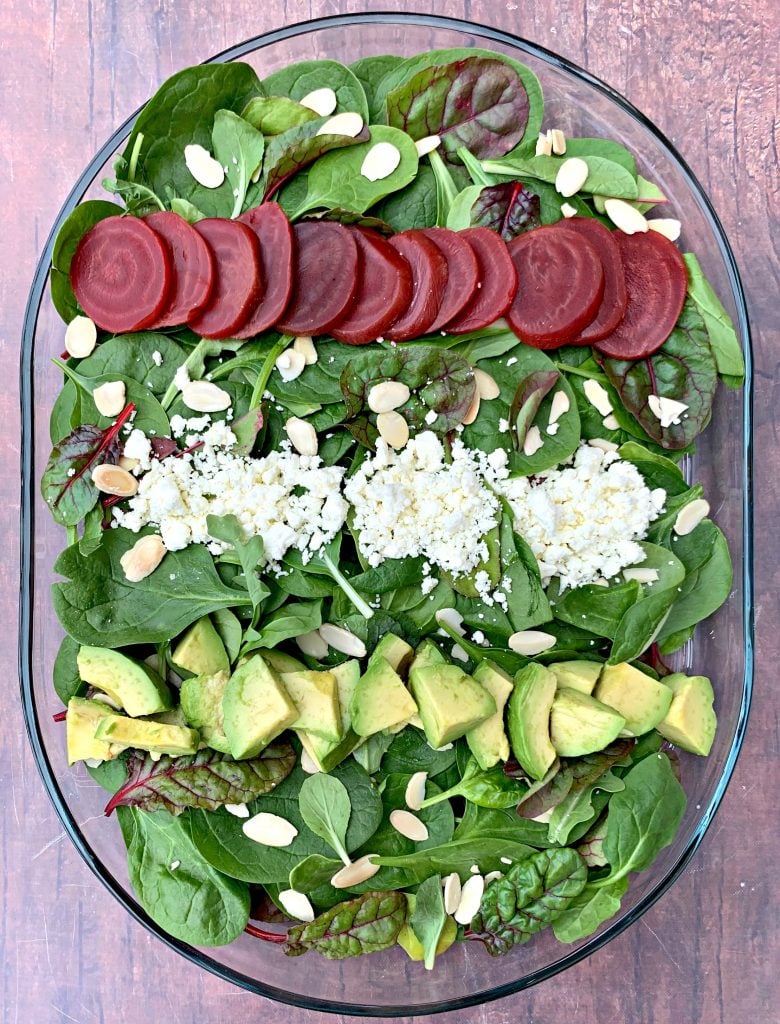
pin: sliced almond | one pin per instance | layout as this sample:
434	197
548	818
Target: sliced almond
473	410
114	480
688	518
560	404
533	441
568	210
669	227
486	386
128	464
544	144
452	618
269	830
427	145
552	429
491	876
207	171
625	217
470	899
611	422
531	642
353	874
558	140
409	825
308	764
458	653
342	640
321	101
667	410
302	435
80	337
237	810
313	645
415	791
109	398
598	397
602	444
342	124
393	429
452	892
571	176
291	364
203	396
143	558
296	904
641	575
305	346
380	161
387	396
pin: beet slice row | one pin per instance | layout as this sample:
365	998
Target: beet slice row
571	283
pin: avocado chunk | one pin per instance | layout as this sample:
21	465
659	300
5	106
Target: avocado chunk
528	719
201	650
411	945
427	654
577	675
487	741
380	700
450	702
316	696
81	721
690	722
326	753
138	689
396	652
201	702
281	662
642	701
256	708
154	736
580	724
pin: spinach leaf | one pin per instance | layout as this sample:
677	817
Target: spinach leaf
325	807
314	873
299	79
139	200
97	605
429	917
723	338
658	470
605	177
110	775
457	855
181	113
250	553
502	824
586	912
527	899
187	210
409	752
529	396
66	412
597	609
273	115
288	153
364	925
238	147
683	369
391	575
369	71
326	563
606	148
490	788
149	415
132	357
579	807
78	223
319	383
370	753
642	621
446	190
230	631
177	888
414	206
293	619
65	674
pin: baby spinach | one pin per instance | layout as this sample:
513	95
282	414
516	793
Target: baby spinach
606	148
288	153
502	824
239	147
369	71
428	918
583	915
149	415
641	622
293	619
325	807
409	752
326	563
230	631
65	674
723	338
299	79
414	206
580	806
273	115
531	392
457	855
597	609
78	223
250	554
490	788
364	925
149	358
605	177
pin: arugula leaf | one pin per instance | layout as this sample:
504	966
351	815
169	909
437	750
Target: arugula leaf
586	912
299	79
293	619
77	224
367	924
65	674
250	553
429	917
325	807
238	147
723	338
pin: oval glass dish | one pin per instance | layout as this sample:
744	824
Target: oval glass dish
388	984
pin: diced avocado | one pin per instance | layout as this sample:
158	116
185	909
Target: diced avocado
134	686
427	654
577	675
580	724
642	701
136	732
487	741
256	708
450	702
281	662
315	695
380	700
409	942
528	719
396	652
201	701
325	753
201	650
175	716
690	722
81	721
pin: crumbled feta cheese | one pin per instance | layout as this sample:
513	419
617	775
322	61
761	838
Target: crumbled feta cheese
139	447
180	426
667	410
182	377
430	416
157	358
503	425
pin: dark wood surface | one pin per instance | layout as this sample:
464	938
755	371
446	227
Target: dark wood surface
706	72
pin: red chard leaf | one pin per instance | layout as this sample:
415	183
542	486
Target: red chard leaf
528	398
290	152
508	209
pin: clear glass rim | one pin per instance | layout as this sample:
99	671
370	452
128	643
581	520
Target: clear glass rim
27	516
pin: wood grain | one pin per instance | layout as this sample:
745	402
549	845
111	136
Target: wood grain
706	72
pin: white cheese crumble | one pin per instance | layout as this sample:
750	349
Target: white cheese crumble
157	358
412	502
138	446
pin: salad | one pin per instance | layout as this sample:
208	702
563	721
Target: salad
375	394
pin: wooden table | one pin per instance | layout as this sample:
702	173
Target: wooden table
706	74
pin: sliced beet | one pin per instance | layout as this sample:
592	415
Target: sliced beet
615	299
192	268
121	274
275	235
656	281
324	277
384	290
429	280
496	285
237	280
462	273
560	284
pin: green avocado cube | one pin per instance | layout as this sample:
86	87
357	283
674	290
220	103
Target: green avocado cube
81	721
315	695
155	736
577	675
201	650
380	700
690	722
136	688
396	652
488	741
642	701
201	703
528	719
256	708
327	753
580	724
450	702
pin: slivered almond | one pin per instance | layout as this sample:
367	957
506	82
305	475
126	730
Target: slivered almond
558	140
393	429
669	227
380	161
415	791
291	364
610	421
571	176
559	405
269	830
312	644
129	464
473	410
203	396
237	810
602	444
458	653
387	396
598	397
305	346
80	337
486	386
533	441
109	398
625	217
308	764
143	558
427	145
452	892
688	518
641	575
207	171
302	435
531	642
409	825
114	480
321	101
452	618
297	904
568	210
353	874
342	124
470	899
491	876
544	144
342	640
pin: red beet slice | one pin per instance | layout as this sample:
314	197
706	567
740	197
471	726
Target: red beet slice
429	280
656	281
560	286
613	304
275	235
462	274
121	273
384	290
237	280
325	269
496	286
192	268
